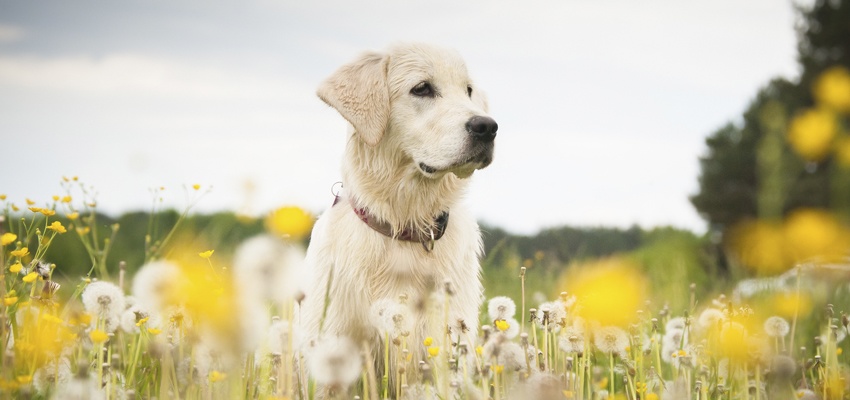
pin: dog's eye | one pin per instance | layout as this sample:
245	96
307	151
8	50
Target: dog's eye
423	89
469	91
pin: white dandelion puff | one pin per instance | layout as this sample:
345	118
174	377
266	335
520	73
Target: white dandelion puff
611	339
334	361
675	323
571	340
776	327
154	283
710	318
51	375
105	301
501	307
390	317
132	317
267	268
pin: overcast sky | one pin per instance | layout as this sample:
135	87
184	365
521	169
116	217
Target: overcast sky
603	106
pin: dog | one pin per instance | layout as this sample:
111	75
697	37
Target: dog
419	127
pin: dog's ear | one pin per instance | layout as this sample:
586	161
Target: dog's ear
359	92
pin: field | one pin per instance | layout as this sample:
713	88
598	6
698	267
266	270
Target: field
169	304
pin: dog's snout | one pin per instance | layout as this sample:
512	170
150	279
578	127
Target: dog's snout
482	128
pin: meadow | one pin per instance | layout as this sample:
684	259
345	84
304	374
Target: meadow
169	304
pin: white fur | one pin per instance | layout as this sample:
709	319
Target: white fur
393	132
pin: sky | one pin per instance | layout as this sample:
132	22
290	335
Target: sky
603	107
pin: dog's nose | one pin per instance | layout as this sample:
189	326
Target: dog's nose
482	128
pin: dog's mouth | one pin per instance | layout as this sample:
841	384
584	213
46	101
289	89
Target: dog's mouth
464	168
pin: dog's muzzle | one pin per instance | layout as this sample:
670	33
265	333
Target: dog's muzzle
482	129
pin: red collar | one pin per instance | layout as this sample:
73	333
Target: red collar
408	234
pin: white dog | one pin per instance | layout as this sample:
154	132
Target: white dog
397	230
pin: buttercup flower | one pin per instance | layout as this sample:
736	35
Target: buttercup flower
832	89
206	254
16	267
20	253
290	222
811	133
8	238
57	227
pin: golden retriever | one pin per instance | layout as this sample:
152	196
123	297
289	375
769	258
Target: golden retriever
397	231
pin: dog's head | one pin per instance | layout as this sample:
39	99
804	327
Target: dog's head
420	100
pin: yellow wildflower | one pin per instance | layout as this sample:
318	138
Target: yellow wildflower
433	351
216	376
292	222
57	227
66	199
2	197
55	197
73	216
8	238
651	396
815	235
154	331
142	321
10	299
502	325
30	202
608	291
196	186
832	89
35	209
791	305
760	245
428	341
16	267
811	133
206	254
83	230
479	350
15	208
98	336
498	368
48	212
20	253
30	277
24	379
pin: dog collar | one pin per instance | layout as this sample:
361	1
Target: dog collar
408	234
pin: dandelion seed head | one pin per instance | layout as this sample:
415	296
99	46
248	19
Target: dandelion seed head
390	317
611	339
501	307
709	318
51	375
334	361
677	323
105	301
776	327
154	282
268	268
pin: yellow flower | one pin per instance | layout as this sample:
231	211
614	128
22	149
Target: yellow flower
98	336
73	216
35	209
789	305
428	341
15	268
608	291
433	351
498	368
815	235
759	245
651	396
24	379
48	212
502	325
55	197
21	253
154	331
142	321
9	300
84	230
292	222
832	89
30	277
479	350
196	186
57	227
811	133
206	254
216	376
15	208
66	199
8	238
30	202
2	197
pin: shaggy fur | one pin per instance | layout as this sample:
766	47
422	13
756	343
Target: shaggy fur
406	161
